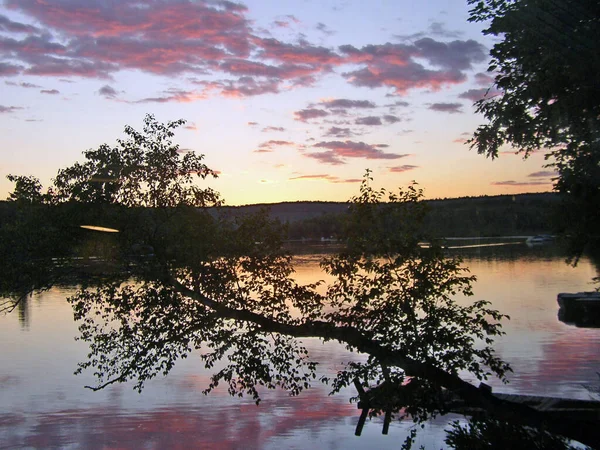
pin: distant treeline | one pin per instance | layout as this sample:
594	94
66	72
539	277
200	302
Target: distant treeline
504	215
486	216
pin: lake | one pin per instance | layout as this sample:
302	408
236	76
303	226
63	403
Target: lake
43	405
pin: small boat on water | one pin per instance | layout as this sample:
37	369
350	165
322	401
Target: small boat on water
539	239
581	309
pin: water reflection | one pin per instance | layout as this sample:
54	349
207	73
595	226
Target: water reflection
23	310
497	244
177	426
45	406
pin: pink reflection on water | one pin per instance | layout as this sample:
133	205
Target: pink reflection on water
244	425
568	364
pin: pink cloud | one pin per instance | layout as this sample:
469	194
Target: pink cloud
7	69
454	55
520	183
242	87
328	157
339	132
267	147
306	114
163	37
185	20
174	95
286	22
401	103
345	103
509	152
395	54
402	78
281	24
270	129
483	79
389	118
107	91
91	38
32	45
296	75
329	178
52	66
337	151
369	120
451	108
23	85
435	28
9	109
248	86
152	56
272	143
324	29
479	94
302	53
543	174
401	169
252	68
16	27
311	177
394	65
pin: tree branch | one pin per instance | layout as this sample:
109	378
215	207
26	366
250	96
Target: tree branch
474	396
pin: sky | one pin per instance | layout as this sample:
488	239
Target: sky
288	100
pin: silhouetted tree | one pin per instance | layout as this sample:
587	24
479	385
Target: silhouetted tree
197	281
545	62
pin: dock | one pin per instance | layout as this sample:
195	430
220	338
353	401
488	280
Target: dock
580	417
581	309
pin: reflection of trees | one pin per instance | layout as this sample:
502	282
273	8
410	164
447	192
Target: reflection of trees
200	282
486	433
594	255
23	310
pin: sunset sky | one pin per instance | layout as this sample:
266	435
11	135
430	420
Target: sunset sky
288	100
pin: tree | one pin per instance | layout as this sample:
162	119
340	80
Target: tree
115	187
146	170
546	62
197	281
28	189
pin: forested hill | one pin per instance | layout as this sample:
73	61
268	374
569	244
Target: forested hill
501	215
468	216
524	214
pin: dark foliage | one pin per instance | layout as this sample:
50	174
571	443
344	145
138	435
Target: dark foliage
545	65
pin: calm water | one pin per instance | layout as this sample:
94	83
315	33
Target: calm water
43	405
